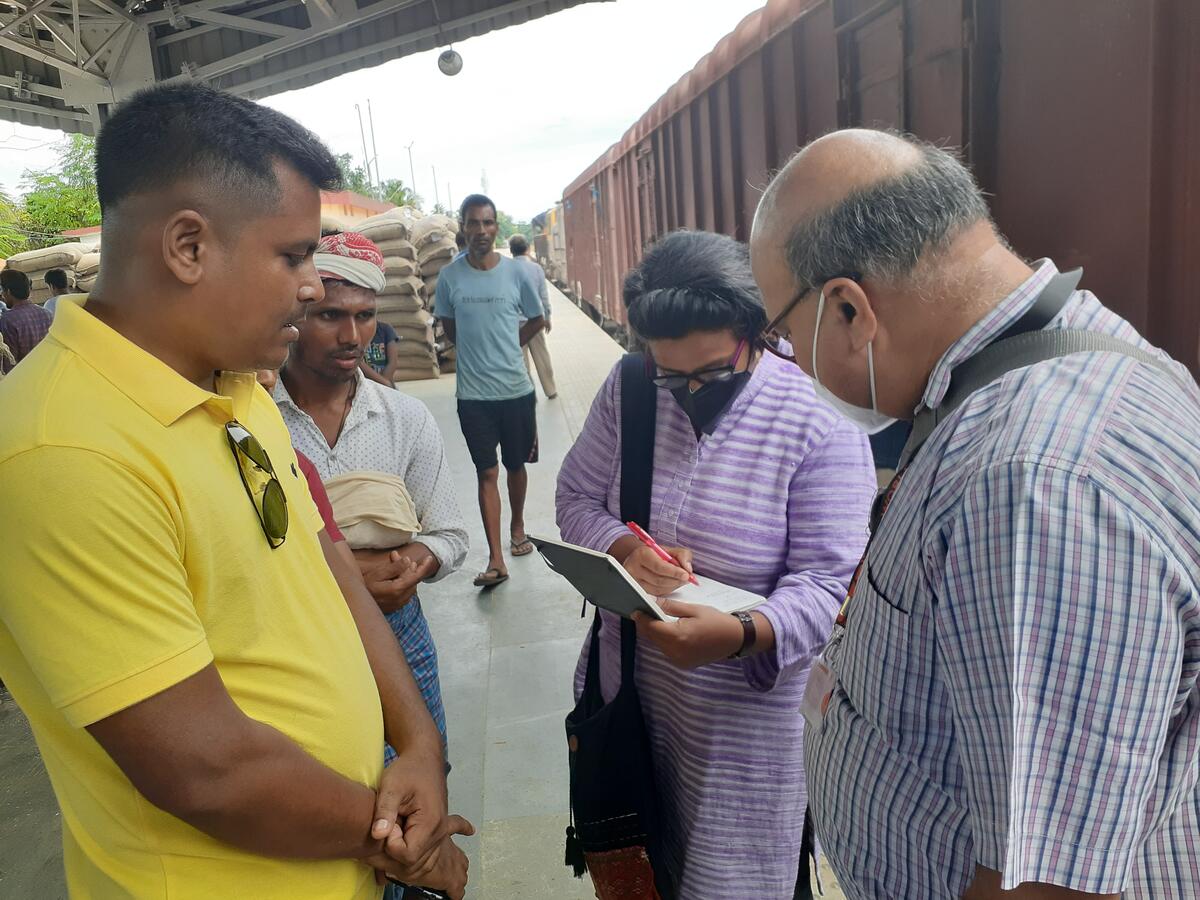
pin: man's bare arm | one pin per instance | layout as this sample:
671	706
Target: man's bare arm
448	327
193	753
530	328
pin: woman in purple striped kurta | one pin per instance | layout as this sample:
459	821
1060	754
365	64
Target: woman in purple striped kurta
770	491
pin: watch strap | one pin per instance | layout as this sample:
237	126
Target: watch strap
749	634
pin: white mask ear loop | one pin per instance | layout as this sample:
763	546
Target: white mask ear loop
817	331
871	374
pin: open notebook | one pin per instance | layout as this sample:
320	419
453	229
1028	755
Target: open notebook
603	581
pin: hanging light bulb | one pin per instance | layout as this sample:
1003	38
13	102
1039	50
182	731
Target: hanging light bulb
450	62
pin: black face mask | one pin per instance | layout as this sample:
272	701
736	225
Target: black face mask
705	406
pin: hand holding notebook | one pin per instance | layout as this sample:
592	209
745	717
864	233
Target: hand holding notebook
603	581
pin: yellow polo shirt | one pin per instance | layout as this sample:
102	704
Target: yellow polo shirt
132	558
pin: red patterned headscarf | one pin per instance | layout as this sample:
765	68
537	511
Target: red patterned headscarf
349	256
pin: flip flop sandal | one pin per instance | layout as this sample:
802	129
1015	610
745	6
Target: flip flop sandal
522	547
490	578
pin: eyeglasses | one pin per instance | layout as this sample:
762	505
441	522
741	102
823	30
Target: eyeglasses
675	380
258	477
777	343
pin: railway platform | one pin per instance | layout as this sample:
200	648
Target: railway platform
506	656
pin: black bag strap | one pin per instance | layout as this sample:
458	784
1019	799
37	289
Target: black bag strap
1025	343
639	405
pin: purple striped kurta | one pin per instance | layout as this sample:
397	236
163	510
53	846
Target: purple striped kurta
775	501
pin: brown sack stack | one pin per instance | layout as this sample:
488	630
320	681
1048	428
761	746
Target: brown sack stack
402	303
36	263
433	238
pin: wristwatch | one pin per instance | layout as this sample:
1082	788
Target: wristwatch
749	634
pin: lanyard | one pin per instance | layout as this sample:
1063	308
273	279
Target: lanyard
1049	302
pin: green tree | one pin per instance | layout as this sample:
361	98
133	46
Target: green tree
353	177
396	191
61	197
12	237
393	190
506	227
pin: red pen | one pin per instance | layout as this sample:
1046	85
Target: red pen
658	551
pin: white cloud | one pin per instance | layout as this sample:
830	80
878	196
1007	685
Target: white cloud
534	105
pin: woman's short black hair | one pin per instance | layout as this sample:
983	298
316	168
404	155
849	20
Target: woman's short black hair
694	281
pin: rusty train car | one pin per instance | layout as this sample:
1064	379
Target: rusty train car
1080	118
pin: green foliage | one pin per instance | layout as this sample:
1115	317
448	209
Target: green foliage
12	238
506	228
396	191
439	210
393	190
62	197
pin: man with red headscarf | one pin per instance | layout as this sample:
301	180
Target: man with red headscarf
346	423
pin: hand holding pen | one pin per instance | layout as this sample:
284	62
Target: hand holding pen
659	571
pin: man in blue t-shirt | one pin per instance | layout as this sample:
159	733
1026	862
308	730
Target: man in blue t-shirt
482	299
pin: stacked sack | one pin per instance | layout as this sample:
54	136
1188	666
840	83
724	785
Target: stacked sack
402	302
36	263
433	238
86	272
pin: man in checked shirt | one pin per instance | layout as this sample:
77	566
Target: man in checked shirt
1010	707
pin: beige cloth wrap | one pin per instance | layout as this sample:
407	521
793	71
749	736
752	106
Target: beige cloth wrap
373	510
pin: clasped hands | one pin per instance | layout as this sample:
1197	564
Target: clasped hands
700	634
412	832
393	576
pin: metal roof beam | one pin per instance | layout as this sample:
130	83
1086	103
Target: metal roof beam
50	59
118	60
176	36
34	87
280	45
69	39
25	16
242	23
103	46
44	110
411	37
118	11
158	17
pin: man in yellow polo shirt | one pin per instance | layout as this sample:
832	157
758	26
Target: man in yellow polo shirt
208	681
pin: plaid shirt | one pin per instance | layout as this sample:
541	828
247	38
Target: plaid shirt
1017	678
22	327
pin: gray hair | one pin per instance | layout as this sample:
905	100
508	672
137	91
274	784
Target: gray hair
882	231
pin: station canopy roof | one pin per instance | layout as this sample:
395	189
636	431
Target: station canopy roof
65	63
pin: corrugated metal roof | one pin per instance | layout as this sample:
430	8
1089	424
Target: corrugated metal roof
253	49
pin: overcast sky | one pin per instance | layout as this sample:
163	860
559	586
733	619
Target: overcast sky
533	107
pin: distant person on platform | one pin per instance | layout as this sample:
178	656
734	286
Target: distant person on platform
381	356
345	423
25	323
537	347
60	284
482	300
208	681
460	241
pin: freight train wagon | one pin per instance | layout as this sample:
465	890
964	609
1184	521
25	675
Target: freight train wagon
550	243
1081	119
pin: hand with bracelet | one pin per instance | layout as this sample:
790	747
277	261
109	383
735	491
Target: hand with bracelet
701	635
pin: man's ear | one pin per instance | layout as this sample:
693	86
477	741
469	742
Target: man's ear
851	302
187	241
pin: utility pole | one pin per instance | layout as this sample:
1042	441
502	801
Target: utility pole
436	199
449	197
362	133
411	170
374	149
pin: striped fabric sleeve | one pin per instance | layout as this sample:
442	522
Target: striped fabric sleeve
590	468
1058	612
829	504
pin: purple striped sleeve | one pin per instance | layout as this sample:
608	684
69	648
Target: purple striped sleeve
829	504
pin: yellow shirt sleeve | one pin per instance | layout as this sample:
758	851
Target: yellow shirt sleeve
96	596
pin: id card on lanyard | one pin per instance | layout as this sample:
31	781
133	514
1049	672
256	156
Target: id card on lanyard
822	679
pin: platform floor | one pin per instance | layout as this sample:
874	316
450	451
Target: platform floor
507	659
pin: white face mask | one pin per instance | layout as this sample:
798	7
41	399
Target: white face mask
872	421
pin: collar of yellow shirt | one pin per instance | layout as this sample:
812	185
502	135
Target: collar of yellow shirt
143	378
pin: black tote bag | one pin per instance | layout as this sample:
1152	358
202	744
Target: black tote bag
614	808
